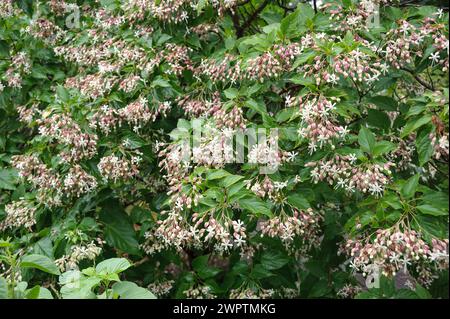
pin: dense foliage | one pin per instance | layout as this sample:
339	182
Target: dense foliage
98	198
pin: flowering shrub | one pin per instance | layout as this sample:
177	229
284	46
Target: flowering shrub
223	149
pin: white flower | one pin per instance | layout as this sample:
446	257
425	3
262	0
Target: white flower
312	147
434	57
375	189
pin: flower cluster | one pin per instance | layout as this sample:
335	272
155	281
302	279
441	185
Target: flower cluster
77	182
199	292
77	254
44	180
271	64
440	145
92	85
302	224
220	70
233	119
407	41
161	289
251	293
318	124
66	131
342	172
6	9
20	65
46	30
393	250
349	291
198	107
18	214
116	169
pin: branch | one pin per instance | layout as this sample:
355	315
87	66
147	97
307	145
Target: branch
235	19
140	262
248	22
419	79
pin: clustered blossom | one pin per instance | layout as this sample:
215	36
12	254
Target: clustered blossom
269	65
66	131
199	292
407	41
302	224
233	119
20	65
116	169
77	254
6	9
342	172
136	114
220	70
161	289
178	232
252	293
200	107
130	83
440	146
27	114
359	18
231	69
177	56
403	154
204	29
357	66
92	85
50	186
349	291
393	250
263	188
318	123
45	30
44	180
18	214
77	182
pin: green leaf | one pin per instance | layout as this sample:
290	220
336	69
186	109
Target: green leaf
430	210
7	179
366	140
62	93
160	82
38	292
298	201
422	293
414	124
409	189
216	174
272	260
40	262
255	205
231	93
230	180
423	145
3	288
383	147
384	102
129	290
118	230
201	267
378	119
113	266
